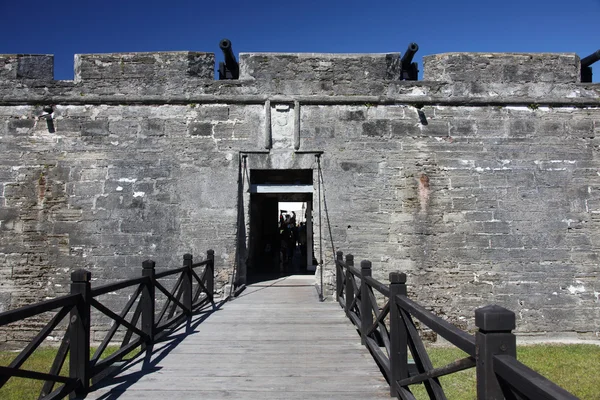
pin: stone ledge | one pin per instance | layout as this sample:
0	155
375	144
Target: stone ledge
250	92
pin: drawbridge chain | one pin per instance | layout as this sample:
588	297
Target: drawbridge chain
321	184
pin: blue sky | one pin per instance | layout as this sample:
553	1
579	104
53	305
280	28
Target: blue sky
65	28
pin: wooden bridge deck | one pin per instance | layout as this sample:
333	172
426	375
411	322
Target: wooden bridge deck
275	341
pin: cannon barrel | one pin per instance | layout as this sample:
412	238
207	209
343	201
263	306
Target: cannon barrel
409	54
231	68
592	58
410	69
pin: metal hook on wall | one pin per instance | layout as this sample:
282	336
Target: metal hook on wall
48	111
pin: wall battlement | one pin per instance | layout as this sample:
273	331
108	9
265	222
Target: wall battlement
185	65
26	66
150	66
503	67
320	66
188	77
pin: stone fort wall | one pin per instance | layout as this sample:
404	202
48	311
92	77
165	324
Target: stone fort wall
481	182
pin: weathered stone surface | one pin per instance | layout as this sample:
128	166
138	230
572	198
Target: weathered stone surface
502	67
328	68
26	66
147	66
496	201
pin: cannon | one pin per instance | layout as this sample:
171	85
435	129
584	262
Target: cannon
586	70
230	69
410	70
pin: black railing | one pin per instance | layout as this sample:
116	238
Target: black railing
142	327
389	332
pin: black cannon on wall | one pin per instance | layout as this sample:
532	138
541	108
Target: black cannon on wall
230	69
410	70
586	70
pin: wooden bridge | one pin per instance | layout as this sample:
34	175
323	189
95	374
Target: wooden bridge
275	340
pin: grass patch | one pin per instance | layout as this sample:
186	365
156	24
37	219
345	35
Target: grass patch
23	388
40	361
576	368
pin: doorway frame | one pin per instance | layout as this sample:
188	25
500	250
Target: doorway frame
268	160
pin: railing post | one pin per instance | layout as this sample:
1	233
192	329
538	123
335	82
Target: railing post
147	300
338	275
210	274
187	284
495	324
79	332
366	309
349	285
398	334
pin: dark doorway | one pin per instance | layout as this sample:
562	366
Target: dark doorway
279	245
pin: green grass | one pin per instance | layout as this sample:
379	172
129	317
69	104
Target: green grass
22	388
40	361
574	367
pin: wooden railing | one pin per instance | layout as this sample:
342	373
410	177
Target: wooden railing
389	332
191	292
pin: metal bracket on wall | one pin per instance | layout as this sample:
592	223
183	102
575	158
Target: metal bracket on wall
296	125
268	133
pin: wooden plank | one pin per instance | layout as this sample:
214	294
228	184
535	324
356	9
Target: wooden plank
236	394
267	347
280	384
316	371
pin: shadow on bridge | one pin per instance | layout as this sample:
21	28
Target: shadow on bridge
120	378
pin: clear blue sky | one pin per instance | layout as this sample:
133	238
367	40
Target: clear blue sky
65	28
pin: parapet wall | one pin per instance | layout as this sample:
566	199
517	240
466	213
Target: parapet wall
448	67
183	77
480	182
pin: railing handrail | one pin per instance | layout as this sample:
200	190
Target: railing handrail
445	329
380	287
112	287
492	350
32	310
182	300
169	272
201	263
527	381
